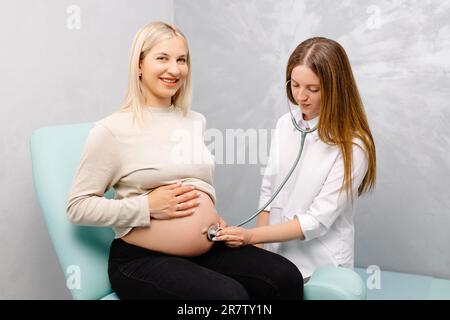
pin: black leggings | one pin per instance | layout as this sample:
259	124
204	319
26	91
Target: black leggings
222	273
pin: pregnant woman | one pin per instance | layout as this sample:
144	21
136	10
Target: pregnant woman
152	152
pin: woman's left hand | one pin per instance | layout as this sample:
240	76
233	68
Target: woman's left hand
233	236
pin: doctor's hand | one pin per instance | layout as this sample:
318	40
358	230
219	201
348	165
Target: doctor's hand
221	224
172	201
233	236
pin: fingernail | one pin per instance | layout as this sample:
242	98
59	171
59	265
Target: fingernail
214	239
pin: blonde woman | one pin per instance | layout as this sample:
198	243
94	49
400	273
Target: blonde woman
311	220
152	152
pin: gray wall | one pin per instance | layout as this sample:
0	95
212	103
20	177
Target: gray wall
51	74
400	53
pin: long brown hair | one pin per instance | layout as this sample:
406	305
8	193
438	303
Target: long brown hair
342	116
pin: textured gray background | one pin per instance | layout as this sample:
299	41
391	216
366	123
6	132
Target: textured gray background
400	52
51	75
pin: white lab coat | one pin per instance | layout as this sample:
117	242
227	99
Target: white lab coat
313	195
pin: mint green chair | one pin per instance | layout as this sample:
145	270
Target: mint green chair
335	283
55	154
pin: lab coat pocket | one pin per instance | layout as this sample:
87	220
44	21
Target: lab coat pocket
275	215
280	200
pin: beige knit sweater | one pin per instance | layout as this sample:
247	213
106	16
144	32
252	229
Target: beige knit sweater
134	160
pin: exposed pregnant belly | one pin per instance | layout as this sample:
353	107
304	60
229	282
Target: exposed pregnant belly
180	236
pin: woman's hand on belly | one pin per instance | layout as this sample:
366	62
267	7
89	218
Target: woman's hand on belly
181	236
172	201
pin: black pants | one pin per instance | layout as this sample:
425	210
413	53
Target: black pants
222	273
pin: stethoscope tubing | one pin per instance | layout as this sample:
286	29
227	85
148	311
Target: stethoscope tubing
212	230
299	154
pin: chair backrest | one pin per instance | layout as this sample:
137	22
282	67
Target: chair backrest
82	251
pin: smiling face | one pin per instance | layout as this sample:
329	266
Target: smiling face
305	87
163	71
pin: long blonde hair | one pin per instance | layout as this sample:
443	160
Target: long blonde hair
342	116
144	40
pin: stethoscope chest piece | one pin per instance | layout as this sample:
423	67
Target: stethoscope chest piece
212	231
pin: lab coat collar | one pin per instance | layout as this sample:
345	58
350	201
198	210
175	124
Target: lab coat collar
306	123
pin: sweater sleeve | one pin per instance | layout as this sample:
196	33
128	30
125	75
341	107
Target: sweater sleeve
98	171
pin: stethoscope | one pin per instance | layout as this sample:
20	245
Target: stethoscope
212	230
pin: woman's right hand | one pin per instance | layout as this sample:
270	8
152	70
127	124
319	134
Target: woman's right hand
172	201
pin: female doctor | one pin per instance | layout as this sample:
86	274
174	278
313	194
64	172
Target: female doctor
311	220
